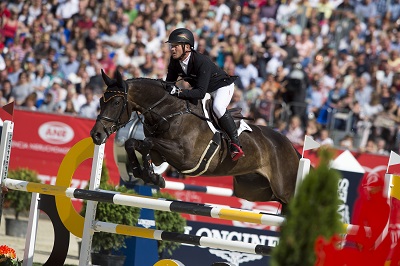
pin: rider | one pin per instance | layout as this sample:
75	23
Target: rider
204	76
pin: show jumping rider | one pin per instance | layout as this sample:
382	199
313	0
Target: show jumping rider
204	76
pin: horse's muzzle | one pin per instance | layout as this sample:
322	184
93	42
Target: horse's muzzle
98	137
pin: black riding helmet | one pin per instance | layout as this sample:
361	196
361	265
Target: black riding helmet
181	35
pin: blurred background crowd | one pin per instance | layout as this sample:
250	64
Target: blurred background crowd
326	68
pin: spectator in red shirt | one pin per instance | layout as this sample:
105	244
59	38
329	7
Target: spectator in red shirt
10	26
86	22
4	12
107	62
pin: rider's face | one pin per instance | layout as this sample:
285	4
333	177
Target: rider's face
176	50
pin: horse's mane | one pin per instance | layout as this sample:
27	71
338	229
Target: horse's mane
161	82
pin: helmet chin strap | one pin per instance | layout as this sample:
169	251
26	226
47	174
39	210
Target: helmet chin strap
184	52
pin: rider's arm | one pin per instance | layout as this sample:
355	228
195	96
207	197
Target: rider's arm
199	90
172	74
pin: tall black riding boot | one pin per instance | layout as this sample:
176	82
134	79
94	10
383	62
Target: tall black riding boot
228	125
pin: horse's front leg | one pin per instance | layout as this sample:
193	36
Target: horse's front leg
147	173
130	147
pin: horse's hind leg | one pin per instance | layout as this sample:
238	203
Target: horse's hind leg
256	187
283	186
252	187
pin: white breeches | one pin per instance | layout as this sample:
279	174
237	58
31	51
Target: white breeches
222	98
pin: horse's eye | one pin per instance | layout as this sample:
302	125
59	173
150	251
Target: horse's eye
116	103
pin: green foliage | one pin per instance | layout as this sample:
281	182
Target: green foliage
312	212
105	176
112	213
20	200
170	222
10	262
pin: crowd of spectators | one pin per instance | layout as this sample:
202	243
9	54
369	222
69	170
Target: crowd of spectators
299	62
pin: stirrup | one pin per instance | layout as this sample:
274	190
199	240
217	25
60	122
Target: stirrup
235	155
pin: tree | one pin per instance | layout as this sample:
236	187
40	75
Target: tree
312	212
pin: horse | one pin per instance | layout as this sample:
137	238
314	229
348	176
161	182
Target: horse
177	132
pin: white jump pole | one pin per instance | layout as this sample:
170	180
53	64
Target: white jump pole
30	239
304	169
5	150
90	215
218	191
305	164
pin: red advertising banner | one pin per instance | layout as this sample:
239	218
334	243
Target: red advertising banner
41	140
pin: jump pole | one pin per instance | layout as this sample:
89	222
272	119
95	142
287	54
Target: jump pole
218	191
149	203
152	203
90	215
5	150
202	241
302	172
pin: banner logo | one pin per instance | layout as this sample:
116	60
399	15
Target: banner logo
56	132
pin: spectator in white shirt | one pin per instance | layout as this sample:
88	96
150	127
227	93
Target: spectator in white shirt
285	11
324	138
90	108
246	71
2	63
221	10
67	9
114	40
158	25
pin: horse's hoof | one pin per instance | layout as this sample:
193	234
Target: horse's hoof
161	181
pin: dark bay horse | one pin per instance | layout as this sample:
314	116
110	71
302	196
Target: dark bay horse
176	133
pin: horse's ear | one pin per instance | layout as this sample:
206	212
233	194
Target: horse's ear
120	82
118	76
107	79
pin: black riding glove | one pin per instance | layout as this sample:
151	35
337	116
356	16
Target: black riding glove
175	91
169	87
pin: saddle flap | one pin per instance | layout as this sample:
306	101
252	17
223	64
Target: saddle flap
235	113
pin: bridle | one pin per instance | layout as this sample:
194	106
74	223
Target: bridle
117	124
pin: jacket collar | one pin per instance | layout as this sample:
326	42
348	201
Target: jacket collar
191	61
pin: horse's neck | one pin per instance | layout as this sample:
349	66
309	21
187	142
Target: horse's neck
144	96
155	103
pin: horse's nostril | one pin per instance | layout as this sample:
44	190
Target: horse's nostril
94	135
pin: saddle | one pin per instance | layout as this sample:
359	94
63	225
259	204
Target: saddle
213	122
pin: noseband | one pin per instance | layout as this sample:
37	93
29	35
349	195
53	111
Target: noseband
117	124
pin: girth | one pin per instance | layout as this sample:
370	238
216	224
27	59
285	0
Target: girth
205	159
